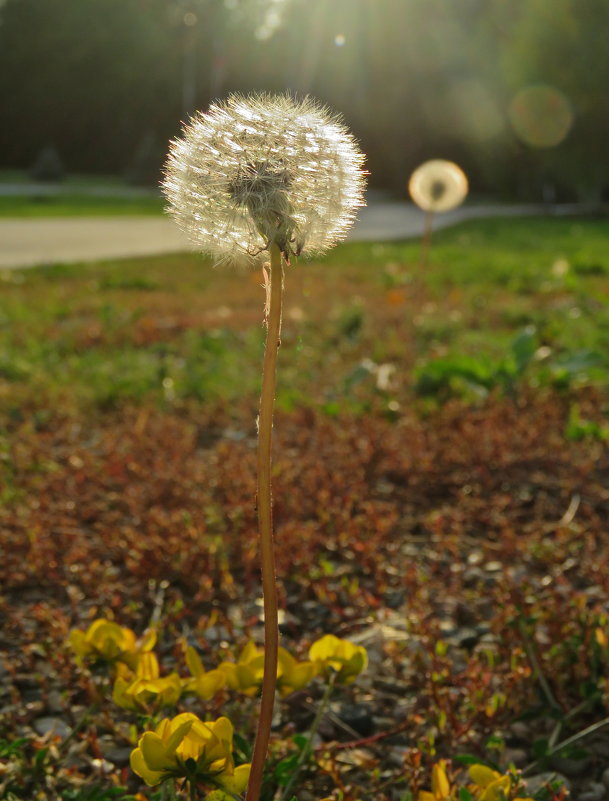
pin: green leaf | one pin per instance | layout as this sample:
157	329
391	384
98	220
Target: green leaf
301	741
540	747
243	747
523	348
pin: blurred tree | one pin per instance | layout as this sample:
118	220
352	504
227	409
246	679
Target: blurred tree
563	44
414	79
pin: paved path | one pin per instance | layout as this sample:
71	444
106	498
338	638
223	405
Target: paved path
29	242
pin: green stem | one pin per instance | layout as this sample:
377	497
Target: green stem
537	671
306	751
79	726
265	525
569	741
193	791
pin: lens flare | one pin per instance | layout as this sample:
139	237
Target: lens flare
541	116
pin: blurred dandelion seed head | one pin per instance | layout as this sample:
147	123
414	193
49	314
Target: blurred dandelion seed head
258	170
438	185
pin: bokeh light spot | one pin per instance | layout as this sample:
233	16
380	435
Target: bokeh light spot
339	39
541	115
438	185
190	19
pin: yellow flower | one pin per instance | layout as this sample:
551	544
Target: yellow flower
145	690
489	785
109	641
203	683
186	747
246	674
342	656
291	674
440	786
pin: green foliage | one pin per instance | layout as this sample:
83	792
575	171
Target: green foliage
579	429
284	769
169	329
97	793
467	375
70	203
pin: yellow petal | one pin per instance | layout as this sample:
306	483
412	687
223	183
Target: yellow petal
439	781
171	689
324	648
155	752
221	740
193	661
285	662
425	795
300	675
482	775
98	625
139	766
249	652
148	641
238	781
246	680
128	640
179	727
148	666
121	695
497	790
207	686
78	643
230	671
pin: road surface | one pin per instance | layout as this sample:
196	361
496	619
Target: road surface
30	242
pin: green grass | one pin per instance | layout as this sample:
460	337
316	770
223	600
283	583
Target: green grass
73	204
77	196
501	302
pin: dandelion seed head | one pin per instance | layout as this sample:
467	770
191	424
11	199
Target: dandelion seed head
261	169
438	185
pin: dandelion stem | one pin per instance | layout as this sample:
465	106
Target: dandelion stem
265	525
426	239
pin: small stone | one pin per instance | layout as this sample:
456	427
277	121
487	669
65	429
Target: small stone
464	637
521	731
45	725
599	748
467	638
515	756
119	756
539	780
447	628
394	599
54	701
571	767
358	717
397	755
595	791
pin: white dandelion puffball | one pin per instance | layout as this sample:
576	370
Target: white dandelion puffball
258	170
438	185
